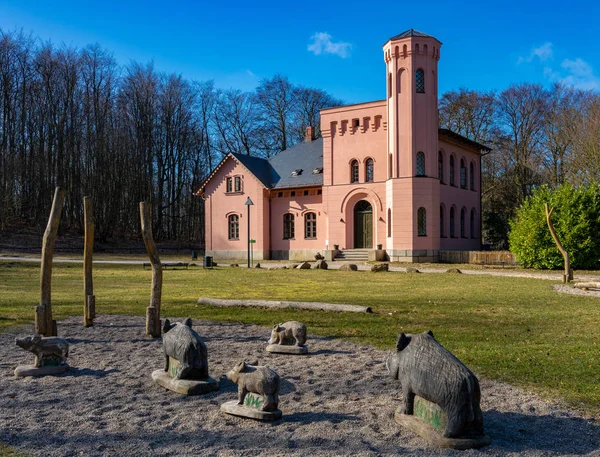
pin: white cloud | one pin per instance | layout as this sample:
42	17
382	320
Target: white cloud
580	74
250	73
543	52
322	44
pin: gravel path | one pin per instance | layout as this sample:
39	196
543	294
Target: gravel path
336	401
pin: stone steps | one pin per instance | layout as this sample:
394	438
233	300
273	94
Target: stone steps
355	255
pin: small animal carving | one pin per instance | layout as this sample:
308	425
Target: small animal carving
44	347
183	344
260	380
288	331
425	368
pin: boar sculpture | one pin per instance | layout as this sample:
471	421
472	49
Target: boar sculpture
45	347
260	380
425	368
183	344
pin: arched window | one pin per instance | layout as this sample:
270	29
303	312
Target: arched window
389	85
472	223
234	227
420	163
420	81
441	167
288	226
442	227
451	170
462	223
404	51
369	170
452	233
421	222
310	225
472	176
389	221
354	171
463	174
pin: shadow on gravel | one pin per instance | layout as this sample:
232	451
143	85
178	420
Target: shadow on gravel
320	416
77	372
327	351
521	433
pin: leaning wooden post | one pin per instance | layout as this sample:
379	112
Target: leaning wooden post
568	274
153	327
89	299
44	324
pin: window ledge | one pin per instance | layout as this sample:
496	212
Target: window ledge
422	235
288	239
452	185
239	192
234	239
311	238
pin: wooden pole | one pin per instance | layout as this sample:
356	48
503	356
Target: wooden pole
89	300
44	324
568	274
153	326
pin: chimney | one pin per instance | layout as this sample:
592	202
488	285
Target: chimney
309	134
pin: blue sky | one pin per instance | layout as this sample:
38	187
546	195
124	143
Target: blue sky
335	46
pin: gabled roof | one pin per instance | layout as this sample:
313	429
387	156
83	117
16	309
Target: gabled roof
258	167
410	33
305	156
450	135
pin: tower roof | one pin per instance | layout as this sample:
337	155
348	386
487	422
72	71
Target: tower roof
410	33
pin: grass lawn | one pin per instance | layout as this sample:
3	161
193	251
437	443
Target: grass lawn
515	330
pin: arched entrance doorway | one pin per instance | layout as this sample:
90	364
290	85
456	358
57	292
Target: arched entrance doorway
363	225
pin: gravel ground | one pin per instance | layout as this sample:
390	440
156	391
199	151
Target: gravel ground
566	289
338	400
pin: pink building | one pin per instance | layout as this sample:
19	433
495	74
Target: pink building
383	178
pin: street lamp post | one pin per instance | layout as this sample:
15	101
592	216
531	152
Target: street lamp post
249	204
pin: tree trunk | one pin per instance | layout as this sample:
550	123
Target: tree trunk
89	300
568	274
153	325
44	324
284	305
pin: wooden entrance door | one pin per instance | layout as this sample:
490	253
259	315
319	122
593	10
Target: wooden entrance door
363	225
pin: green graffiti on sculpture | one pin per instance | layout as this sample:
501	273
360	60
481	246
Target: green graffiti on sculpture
173	367
431	413
253	401
51	361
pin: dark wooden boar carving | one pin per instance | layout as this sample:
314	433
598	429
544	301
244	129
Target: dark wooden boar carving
425	368
183	344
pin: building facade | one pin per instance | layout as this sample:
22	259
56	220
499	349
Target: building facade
383	177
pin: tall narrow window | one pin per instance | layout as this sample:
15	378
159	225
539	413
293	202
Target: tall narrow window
389	221
472	223
238	184
441	166
420	163
229	185
369	170
442	229
451	170
463	174
354	171
310	225
472	176
420	81
288	226
452	233
462	223
234	227
389	85
422	222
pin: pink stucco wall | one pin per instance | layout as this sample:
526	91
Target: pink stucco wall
219	205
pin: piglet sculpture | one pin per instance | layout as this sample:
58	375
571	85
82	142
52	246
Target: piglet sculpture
260	380
44	347
425	368
183	344
289	331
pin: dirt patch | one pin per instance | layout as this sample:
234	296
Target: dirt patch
336	401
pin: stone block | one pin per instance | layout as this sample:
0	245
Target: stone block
185	386
349	267
47	370
250	408
287	349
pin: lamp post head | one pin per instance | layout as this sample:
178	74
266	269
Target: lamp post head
248	202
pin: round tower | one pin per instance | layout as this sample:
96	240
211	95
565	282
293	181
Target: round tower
412	102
